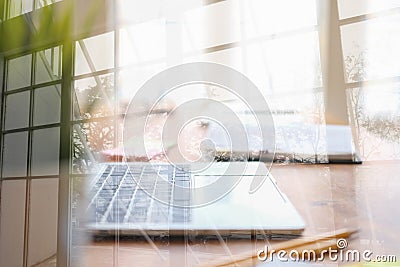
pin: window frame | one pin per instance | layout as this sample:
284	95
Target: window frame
29	130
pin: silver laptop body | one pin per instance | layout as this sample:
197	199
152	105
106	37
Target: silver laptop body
162	199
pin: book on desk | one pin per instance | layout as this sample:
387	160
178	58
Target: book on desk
303	143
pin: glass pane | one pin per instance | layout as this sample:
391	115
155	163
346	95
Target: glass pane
15	154
231	57
136	11
79	204
371	49
143	42
19	72
94	97
300	128
374	116
42	245
130	80
270	17
361	7
12	221
212	25
19	7
17	110
290	63
45	151
43	3
47	105
48	65
94	54
92	142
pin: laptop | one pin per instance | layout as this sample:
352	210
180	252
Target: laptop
164	199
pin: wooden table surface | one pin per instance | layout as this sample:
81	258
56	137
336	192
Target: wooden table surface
328	197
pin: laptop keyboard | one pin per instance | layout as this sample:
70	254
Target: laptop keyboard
141	193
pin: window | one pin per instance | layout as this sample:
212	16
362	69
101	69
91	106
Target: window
94	98
30	157
277	47
18	7
370	41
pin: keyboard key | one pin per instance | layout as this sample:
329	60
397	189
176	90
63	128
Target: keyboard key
145	189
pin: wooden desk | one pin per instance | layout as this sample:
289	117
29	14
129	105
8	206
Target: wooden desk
328	197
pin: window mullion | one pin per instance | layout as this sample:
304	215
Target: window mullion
63	230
